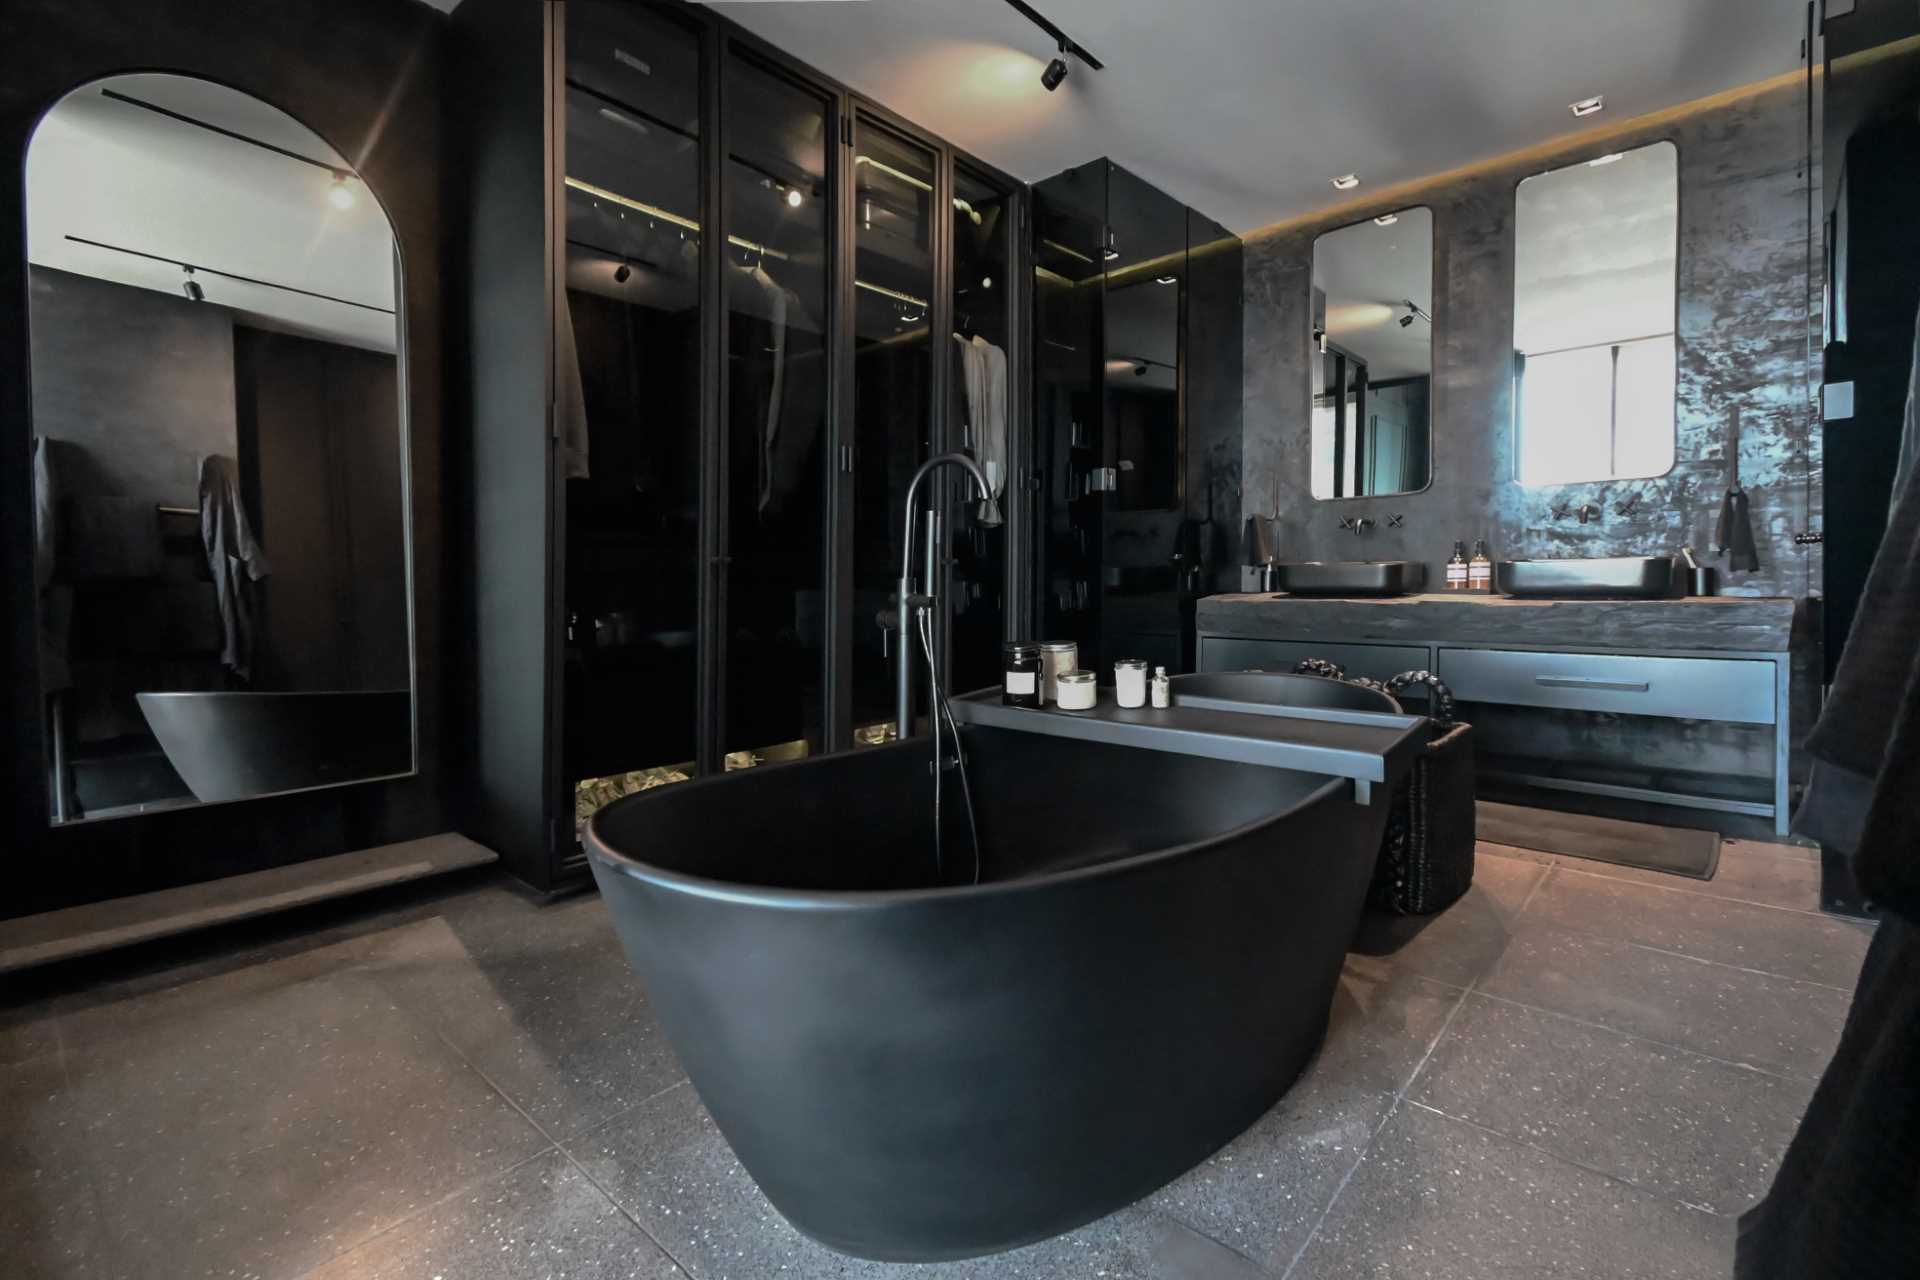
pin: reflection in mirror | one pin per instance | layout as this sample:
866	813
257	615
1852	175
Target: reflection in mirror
1596	250
1143	389
1372	363
219	486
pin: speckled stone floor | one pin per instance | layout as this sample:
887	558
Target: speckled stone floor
1577	1071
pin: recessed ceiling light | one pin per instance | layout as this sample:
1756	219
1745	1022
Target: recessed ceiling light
793	197
1346	182
340	192
1386	220
1597	161
1166	279
1587	106
1110	254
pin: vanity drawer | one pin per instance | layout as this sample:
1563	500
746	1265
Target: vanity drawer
1694	688
1373	661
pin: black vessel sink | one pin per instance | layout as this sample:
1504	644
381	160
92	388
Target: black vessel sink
1611	577
1350	577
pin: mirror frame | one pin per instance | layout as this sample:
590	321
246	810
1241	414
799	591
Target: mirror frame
1679	221
1433	343
404	444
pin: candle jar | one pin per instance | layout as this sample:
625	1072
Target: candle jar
1075	691
1130	682
1056	658
1021	685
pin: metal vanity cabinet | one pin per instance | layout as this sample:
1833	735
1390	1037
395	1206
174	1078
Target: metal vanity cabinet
1720	662
1371	661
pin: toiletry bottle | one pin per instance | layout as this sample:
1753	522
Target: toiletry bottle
1457	567
1480	568
1162	688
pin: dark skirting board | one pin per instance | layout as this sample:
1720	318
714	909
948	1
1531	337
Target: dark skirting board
1632	844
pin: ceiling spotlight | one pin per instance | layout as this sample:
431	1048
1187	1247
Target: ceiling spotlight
1166	279
1139	367
793	197
1406	320
1055	73
1346	182
340	192
1587	106
1386	220
191	287
1597	161
622	273
986	282
1109	254
1414	312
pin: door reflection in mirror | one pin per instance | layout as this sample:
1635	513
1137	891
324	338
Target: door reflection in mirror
218	440
1596	255
1372	357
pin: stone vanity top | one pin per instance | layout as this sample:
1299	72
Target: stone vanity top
1758	624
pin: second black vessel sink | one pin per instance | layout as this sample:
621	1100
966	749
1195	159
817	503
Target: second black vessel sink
1350	577
1610	577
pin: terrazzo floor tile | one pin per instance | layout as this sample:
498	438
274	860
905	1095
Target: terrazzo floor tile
271	1132
1794	944
1462	942
1670	1122
1777	1024
539	998
49	1215
542	1218
1441	1200
1263	1192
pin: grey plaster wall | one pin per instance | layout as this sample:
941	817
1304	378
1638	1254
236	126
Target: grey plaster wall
1744	302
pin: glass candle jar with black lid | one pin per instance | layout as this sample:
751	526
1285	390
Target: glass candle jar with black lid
1021	685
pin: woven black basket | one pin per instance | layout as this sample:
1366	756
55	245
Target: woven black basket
1426	856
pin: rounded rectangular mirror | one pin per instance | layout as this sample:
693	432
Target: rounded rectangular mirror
219	461
1595	296
1372	362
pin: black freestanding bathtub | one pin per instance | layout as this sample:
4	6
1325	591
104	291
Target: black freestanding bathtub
914	1069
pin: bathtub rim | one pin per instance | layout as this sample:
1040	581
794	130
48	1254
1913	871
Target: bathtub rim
729	891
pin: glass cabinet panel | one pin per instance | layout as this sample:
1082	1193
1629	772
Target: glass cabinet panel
627	365
775	282
892	391
980	407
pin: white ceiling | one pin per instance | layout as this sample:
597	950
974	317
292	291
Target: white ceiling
1246	109
109	171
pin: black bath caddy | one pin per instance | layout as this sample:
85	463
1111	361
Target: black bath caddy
1426	856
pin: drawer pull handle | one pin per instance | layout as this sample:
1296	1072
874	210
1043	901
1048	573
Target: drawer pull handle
1591	682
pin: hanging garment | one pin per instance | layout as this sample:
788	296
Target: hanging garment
1910	425
570	395
1733	536
234	558
56	602
984	371
1846	1201
777	302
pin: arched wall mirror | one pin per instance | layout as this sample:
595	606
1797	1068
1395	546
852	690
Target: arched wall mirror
219	451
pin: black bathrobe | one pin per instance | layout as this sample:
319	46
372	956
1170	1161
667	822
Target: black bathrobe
1846	1201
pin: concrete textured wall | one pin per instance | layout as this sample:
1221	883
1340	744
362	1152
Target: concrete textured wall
1744	301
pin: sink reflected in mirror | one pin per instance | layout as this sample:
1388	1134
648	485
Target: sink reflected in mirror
1350	577
1610	577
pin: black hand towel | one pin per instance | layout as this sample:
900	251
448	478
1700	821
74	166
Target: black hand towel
1734	534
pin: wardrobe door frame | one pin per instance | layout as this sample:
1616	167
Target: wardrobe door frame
722	39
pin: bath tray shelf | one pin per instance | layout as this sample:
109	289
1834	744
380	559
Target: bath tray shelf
1366	747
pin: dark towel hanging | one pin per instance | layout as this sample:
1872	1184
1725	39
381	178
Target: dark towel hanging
1733	536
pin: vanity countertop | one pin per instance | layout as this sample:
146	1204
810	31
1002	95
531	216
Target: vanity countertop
1760	624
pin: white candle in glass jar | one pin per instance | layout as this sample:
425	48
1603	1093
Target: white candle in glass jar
1130	682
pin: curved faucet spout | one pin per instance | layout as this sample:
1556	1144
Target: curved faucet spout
907	611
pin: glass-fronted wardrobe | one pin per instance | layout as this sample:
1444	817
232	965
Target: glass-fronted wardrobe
759	302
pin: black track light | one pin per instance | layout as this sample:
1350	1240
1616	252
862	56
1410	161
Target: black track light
621	273
192	288
1055	73
1406	319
